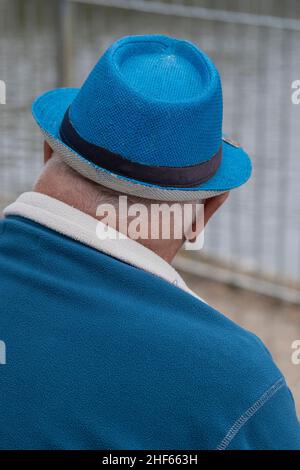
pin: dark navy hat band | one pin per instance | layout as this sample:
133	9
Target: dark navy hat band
187	176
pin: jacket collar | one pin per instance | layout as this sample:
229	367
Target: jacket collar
79	226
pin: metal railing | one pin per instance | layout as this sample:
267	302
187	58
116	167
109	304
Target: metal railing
182	10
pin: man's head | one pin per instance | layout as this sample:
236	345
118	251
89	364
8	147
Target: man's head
155	219
147	121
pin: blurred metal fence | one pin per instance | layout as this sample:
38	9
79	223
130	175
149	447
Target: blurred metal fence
254	242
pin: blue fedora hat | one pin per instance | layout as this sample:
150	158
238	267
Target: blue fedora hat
147	121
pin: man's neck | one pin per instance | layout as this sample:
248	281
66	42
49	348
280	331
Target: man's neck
61	182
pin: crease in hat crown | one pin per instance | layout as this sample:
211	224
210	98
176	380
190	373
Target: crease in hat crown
154	100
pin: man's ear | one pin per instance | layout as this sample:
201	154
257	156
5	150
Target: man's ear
47	152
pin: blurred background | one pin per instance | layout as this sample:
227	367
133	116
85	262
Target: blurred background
250	266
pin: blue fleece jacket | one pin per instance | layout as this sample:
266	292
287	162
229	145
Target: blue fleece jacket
102	355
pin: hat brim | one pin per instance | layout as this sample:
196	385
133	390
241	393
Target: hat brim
49	109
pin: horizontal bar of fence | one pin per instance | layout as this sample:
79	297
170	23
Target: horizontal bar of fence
196	12
244	281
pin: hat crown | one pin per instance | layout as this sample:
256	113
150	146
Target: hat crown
154	100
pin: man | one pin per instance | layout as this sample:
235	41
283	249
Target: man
106	347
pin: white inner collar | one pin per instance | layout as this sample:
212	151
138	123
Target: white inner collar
79	226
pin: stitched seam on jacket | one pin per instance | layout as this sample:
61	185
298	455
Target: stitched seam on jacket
242	420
